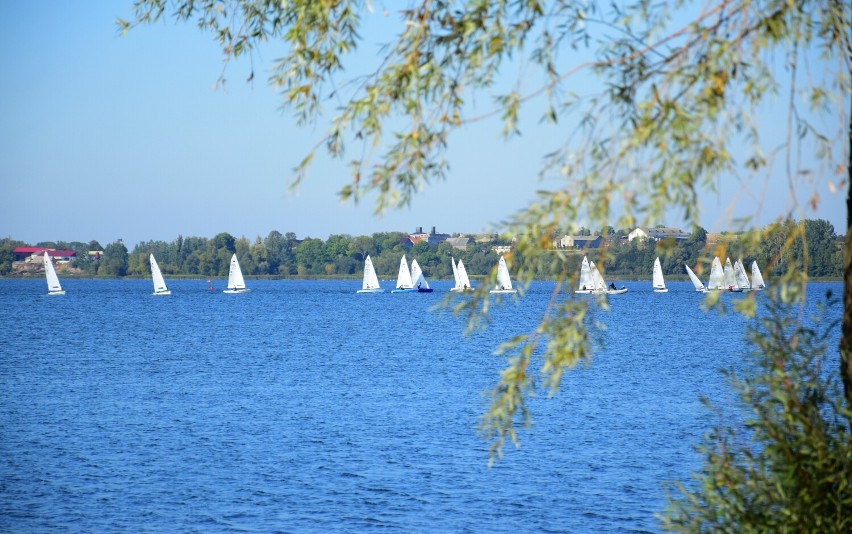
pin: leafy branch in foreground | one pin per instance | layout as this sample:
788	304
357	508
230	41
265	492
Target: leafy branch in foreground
789	469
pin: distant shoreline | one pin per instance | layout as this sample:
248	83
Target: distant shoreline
479	278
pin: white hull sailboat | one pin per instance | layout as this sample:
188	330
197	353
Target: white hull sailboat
463	279
236	283
717	276
586	284
757	282
403	279
599	283
157	276
53	285
741	276
418	280
699	286
504	281
659	282
371	281
730	278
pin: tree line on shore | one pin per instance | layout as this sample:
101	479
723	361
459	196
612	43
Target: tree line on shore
283	255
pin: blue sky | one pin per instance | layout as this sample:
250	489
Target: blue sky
107	137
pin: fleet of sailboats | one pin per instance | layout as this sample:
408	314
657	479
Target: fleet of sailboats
504	281
157	276
371	281
236	283
732	277
53	285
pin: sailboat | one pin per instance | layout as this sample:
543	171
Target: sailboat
462	283
730	278
659	282
717	276
53	285
418	279
236	284
463	279
371	281
600	283
741	276
699	286
159	283
504	281
586	283
757	282
403	279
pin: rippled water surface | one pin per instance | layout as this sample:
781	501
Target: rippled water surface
303	407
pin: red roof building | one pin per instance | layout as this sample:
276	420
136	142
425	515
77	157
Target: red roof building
22	253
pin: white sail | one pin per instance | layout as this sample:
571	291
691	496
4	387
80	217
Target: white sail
717	276
730	280
403	279
417	278
586	283
463	279
598	282
371	281
457	284
53	285
157	276
741	276
236	283
659	283
504	281
756	278
699	286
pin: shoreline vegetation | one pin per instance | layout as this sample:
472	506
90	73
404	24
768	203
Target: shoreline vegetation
341	257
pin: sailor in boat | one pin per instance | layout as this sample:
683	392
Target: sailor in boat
612	285
584	287
418	285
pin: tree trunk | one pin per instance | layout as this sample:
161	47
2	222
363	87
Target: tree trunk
846	339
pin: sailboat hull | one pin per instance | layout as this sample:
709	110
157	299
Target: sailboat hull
661	290
377	290
460	289
406	290
61	292
166	292
235	291
501	291
616	291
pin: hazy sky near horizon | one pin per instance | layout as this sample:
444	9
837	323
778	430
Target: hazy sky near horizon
107	137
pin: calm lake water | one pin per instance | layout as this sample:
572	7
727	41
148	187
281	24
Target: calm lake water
303	407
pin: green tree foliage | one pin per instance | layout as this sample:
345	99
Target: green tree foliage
115	260
792	471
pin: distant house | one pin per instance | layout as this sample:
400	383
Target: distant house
459	242
502	249
37	253
579	241
433	237
658	234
